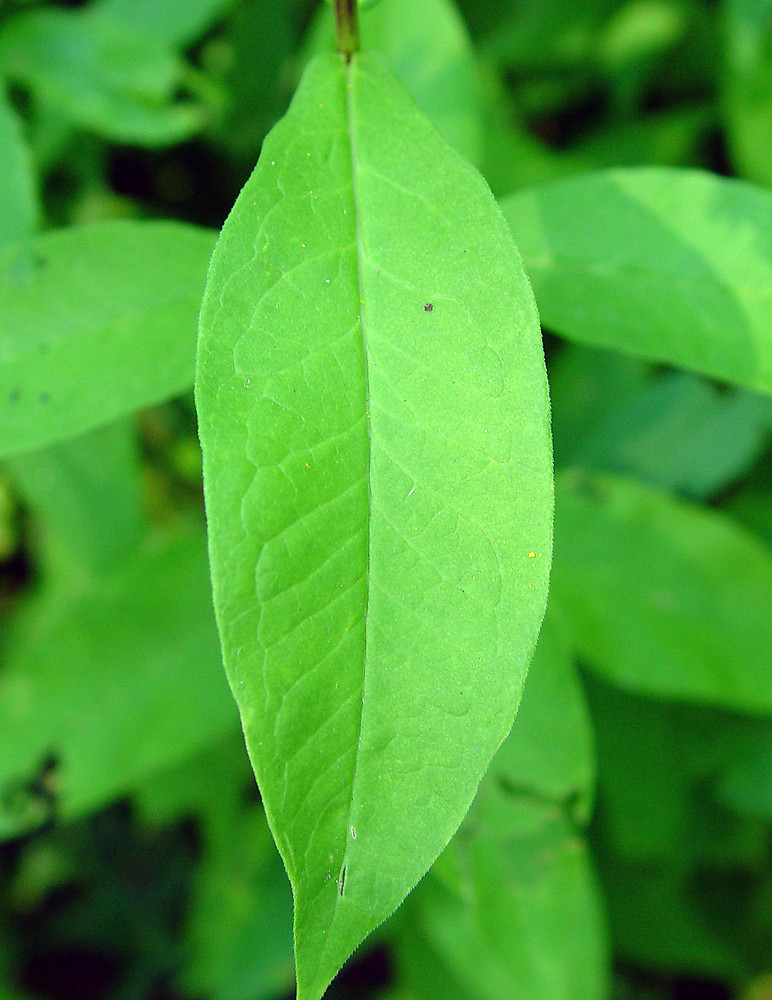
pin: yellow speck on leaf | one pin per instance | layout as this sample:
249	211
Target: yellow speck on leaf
531	555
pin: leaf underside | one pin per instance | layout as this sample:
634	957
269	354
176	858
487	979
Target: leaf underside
375	423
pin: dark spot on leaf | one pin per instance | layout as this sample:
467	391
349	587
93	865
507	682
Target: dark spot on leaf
14	396
428	307
45	398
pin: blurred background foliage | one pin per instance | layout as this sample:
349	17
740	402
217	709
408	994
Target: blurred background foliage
620	846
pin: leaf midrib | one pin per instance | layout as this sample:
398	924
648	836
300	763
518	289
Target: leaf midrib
348	76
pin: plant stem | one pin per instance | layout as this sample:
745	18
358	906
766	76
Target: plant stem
347	27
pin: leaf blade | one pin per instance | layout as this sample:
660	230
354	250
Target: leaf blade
19	209
331	471
65	693
100	74
96	322
666	264
636	568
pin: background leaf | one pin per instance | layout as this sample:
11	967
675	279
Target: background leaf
100	74
525	884
549	754
671	429
142	646
18	197
84	496
490	917
636	569
174	22
94	323
680	871
672	266
748	87
374	422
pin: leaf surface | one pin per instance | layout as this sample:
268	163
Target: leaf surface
103	686
549	753
670	265
96	322
747	87
18	198
517	873
525	919
174	22
650	814
64	484
100	74
374	418
674	430
664	597
426	44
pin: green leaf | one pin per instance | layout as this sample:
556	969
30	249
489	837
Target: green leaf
747	84
239	926
587	387
680	433
746	784
657	922
240	938
549	752
102	687
669	265
664	597
374	419
238	922
517	872
64	484
96	322
421	973
260	41
514	158
679	870
525	920
673	138
18	197
751	503
173	22
672	815
426	44
100	74
674	430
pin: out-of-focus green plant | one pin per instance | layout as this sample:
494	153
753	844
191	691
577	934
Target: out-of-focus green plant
377	459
